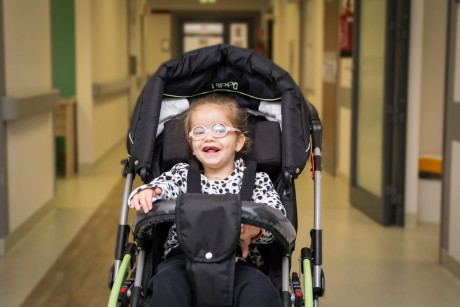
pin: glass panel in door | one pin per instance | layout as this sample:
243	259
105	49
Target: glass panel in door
368	125
371	92
198	35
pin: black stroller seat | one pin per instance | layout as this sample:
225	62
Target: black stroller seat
286	132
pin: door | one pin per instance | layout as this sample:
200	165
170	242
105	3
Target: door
201	29
202	34
450	228
378	111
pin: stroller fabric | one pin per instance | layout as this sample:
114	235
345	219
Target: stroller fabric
210	255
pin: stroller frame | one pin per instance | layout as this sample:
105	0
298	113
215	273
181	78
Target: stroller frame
127	291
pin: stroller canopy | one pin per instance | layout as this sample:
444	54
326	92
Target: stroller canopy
253	78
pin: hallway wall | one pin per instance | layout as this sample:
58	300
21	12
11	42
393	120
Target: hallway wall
286	38
156	40
102	78
29	139
109	44
433	77
312	86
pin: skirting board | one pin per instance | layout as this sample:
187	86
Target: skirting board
410	220
7	243
450	263
87	168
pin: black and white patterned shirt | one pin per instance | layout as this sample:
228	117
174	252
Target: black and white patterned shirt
174	182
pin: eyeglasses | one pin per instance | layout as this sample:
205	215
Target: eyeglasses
217	130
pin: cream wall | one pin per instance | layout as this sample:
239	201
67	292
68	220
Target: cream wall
102	58
344	112
454	200
433	77
136	49
286	42
312	74
110	64
157	32
413	113
110	124
344	118
29	140
84	67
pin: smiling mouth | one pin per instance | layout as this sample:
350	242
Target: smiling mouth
211	149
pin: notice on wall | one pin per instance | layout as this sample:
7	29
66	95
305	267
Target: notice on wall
239	35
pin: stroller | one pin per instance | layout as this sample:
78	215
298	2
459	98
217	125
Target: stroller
286	132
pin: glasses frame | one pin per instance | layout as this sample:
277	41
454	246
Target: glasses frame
209	131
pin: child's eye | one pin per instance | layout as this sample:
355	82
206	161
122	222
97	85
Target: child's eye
199	131
219	129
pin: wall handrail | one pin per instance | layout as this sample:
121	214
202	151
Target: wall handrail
102	89
14	108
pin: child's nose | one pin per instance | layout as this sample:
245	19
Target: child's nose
209	136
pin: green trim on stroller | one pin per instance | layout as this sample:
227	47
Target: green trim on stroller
307	282
119	279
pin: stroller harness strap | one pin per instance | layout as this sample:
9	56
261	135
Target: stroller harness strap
208	229
193	177
247	184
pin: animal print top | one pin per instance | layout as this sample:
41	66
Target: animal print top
174	182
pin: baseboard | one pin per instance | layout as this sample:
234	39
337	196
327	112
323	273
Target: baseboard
450	263
410	220
7	243
87	168
344	177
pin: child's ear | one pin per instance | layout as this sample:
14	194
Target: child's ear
240	142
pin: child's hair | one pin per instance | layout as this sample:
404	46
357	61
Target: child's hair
237	117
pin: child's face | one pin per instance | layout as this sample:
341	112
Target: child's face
216	154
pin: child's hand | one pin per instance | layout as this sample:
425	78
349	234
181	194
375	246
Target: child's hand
248	233
143	199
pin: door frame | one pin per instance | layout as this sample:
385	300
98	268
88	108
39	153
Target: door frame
389	208
330	87
4	220
451	133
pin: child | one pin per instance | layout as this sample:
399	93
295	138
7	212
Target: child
213	126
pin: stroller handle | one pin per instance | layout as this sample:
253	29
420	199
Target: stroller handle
252	213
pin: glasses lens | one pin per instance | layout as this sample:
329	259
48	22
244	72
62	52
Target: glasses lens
218	130
199	132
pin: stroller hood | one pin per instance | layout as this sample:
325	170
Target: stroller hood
248	75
